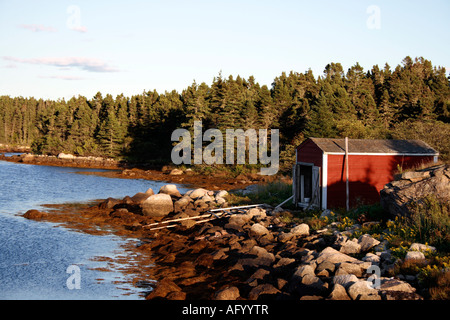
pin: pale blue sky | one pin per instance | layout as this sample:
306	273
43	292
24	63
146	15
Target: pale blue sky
58	49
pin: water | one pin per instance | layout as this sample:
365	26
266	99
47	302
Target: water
34	256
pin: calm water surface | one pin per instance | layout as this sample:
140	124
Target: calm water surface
34	256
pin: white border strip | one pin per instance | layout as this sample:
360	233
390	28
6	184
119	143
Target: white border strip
324	180
384	154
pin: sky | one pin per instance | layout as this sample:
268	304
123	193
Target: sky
60	49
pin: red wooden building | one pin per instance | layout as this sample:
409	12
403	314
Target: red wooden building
320	176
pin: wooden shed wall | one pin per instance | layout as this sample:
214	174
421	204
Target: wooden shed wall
367	176
309	152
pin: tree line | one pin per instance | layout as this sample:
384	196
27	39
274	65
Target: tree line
410	101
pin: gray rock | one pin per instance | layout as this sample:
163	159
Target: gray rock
221	194
333	256
350	247
300	230
387	284
367	242
181	203
373	258
140	197
197	193
397	197
414	255
421	247
158	205
170	189
361	290
345	280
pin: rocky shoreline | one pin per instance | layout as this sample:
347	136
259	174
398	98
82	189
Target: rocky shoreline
116	169
251	254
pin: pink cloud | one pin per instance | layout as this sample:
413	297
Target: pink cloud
37	27
62	77
87	64
79	29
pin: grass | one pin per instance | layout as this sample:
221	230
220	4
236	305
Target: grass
272	193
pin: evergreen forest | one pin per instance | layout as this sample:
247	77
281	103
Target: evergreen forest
411	101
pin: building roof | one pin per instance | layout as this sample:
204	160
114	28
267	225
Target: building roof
369	146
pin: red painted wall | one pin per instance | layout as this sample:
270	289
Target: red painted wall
309	152
367	176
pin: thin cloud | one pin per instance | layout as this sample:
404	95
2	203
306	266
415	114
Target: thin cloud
62	77
87	64
82	29
37	27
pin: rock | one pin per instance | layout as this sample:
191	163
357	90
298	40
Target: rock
150	191
158	205
303	270
176	172
373	258
333	256
258	230
66	156
221	194
396	198
350	247
415	175
262	289
313	282
35	214
325	268
228	293
421	247
197	193
163	288
367	242
176	295
283	262
357	269
221	201
414	255
257	275
109	203
27	158
387	284
140	197
170	189
327	213
300	230
262	255
181	204
345	280
361	290
338	293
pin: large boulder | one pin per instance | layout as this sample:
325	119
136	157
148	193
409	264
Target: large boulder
409	187
157	205
334	256
171	190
